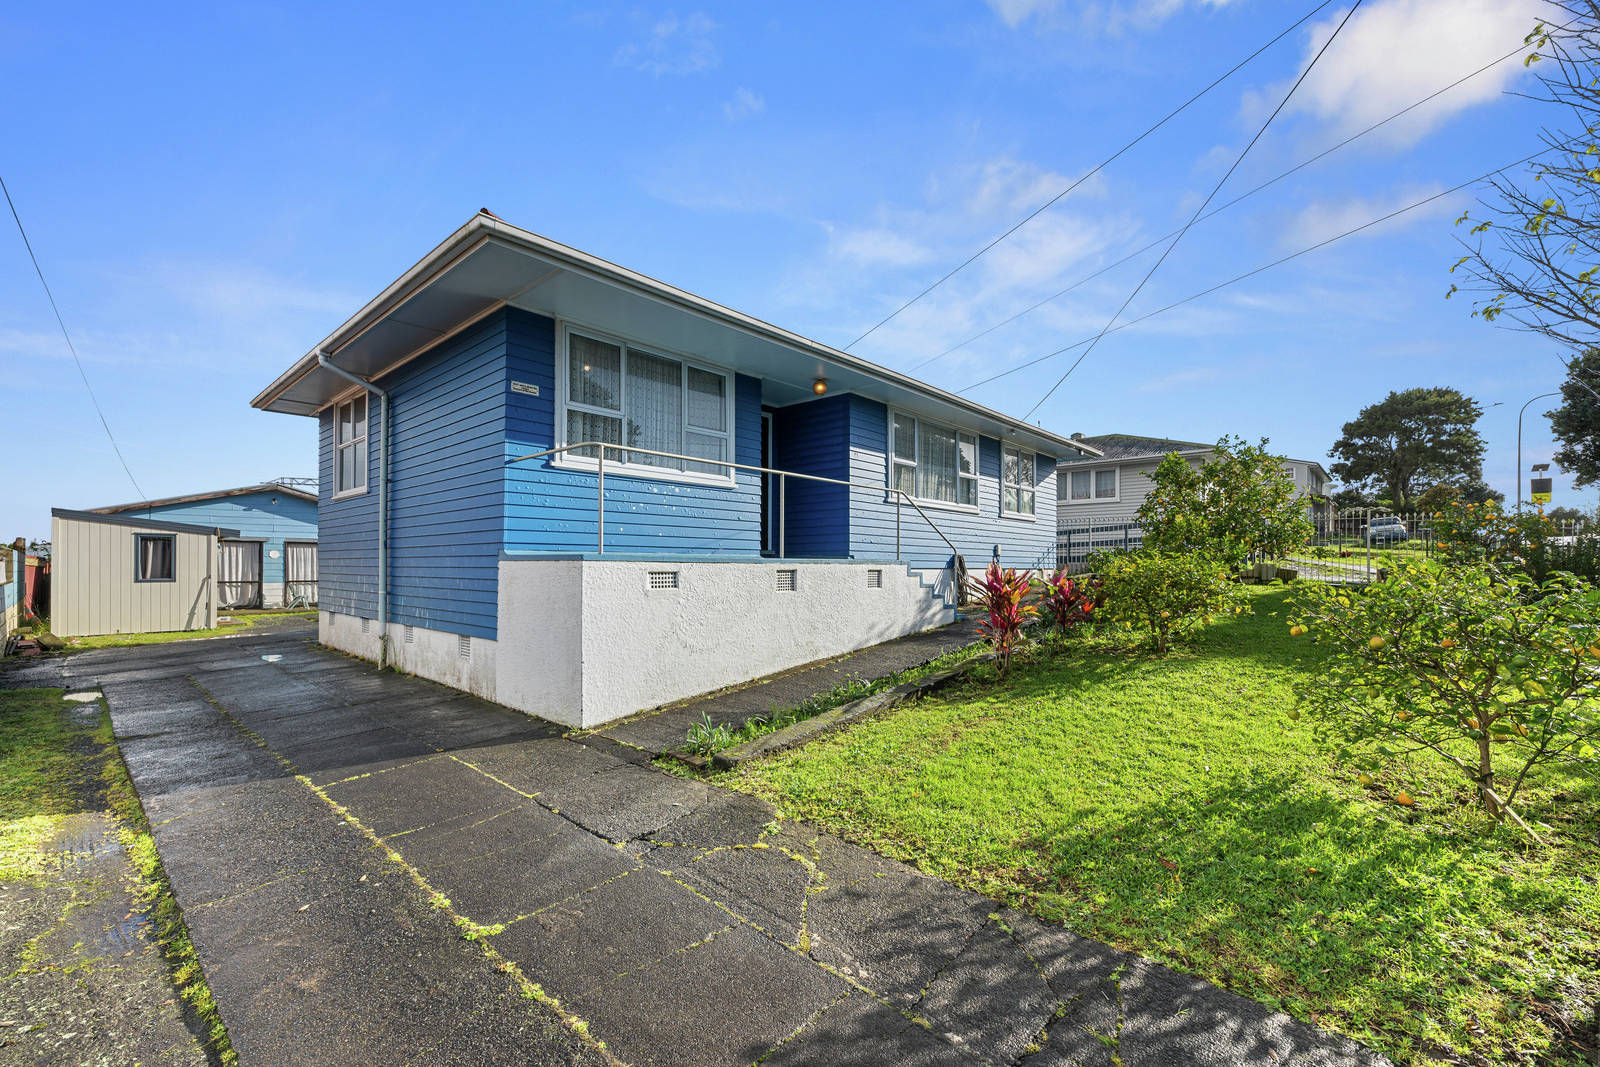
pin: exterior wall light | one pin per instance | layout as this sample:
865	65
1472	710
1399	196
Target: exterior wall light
819	386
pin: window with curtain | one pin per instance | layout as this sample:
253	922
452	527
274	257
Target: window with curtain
933	462
350	446
153	557
1092	485
1016	481
620	394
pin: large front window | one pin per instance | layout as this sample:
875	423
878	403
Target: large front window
625	395
933	462
1016	481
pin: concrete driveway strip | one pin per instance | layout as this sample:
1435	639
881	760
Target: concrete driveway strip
379	870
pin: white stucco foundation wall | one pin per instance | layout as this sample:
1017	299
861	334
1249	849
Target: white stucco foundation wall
431	654
588	641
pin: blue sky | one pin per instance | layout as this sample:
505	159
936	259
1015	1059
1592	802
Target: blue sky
212	190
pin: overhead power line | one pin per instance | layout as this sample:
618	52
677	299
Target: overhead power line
1203	205
1218	210
70	346
1380	220
964	264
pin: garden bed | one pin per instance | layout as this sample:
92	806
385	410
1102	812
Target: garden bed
1171	807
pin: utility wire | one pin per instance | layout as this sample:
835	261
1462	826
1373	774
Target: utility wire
1204	204
964	264
1258	270
1217	210
70	346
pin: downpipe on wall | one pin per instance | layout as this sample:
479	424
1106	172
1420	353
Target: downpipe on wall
383	499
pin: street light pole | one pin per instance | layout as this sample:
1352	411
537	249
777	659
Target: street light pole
1524	407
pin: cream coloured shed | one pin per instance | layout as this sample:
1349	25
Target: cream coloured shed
116	574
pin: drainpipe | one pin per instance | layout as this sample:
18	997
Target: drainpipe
383	500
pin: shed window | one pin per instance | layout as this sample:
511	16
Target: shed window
153	557
1093	485
933	462
621	394
350	446
1017	468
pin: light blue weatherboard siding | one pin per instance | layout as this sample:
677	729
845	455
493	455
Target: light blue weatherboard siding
254	515
975	534
552	510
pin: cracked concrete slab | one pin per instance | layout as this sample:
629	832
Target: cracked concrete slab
521	879
990	997
860	1032
419	794
536	766
625	802
475	834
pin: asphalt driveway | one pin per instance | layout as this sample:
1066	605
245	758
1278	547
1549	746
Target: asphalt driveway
379	870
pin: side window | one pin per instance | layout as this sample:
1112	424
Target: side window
153	557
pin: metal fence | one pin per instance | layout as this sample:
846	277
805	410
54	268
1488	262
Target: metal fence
1350	546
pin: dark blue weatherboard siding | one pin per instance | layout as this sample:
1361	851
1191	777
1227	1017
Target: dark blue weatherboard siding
552	510
254	515
347	530
975	534
812	438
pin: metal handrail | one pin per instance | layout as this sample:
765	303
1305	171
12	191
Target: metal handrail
600	490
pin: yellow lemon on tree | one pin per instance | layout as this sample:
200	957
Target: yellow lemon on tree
1376	643
1472	724
1403	799
1403	716
1447	643
1364	778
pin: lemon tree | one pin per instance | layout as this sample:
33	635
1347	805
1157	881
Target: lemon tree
1488	668
1166	593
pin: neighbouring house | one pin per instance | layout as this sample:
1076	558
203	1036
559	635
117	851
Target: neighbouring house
13	571
563	485
271	559
1100	495
116	574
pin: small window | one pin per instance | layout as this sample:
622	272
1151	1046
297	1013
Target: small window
1092	485
663	579
874	579
153	557
1017	468
350	446
788	581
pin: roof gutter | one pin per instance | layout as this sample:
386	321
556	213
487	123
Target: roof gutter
383	496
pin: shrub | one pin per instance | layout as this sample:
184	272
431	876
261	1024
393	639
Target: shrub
1166	593
1240	504
1002	594
1530	542
1065	600
1493	671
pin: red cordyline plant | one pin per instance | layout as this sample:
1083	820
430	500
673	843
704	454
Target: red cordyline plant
1003	594
1066	601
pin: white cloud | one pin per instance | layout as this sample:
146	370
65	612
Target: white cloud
1320	220
1393	53
672	45
1112	16
1179	380
745	104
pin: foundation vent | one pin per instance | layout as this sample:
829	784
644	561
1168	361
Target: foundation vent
874	579
788	581
663	579
366	626
411	634
464	646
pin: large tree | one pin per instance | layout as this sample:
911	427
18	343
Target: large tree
1576	423
1409	441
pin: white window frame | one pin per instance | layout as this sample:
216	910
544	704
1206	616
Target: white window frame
1091	498
616	454
916	451
1032	458
342	491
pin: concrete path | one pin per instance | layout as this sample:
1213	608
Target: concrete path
659	731
331	832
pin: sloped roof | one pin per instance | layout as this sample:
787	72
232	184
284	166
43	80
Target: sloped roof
217	494
143	524
1132	446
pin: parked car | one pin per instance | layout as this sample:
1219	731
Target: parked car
1385	529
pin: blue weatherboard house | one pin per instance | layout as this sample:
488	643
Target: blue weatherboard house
272	562
574	489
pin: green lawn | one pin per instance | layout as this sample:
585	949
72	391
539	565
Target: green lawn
1171	807
239	623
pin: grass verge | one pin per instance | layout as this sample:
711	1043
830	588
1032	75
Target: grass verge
239	624
59	758
1170	806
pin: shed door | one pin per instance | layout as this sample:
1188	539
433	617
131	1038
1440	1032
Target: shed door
239	574
300	571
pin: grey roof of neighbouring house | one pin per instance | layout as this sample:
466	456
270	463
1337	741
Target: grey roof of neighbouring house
1130	446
